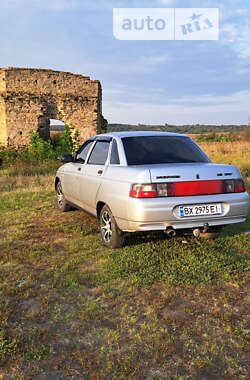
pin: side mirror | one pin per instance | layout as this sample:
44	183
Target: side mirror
66	158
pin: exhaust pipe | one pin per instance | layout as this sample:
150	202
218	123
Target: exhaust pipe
170	232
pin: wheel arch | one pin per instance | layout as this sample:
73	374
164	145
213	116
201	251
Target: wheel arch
57	179
99	207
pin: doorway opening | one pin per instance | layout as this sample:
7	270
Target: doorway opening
57	127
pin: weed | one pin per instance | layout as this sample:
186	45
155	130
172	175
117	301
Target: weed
7	346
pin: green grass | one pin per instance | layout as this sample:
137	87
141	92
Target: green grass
22	168
194	263
158	308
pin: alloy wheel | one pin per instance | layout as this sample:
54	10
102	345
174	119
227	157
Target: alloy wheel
59	195
106	227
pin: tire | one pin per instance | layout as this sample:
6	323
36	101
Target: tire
62	204
112	236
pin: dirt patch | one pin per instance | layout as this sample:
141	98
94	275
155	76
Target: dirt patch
31	307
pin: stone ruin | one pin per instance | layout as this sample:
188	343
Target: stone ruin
29	98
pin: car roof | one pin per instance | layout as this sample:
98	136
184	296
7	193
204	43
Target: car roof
138	133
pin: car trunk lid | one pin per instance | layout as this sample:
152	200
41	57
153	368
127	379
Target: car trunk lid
192	172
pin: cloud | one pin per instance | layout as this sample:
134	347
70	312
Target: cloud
245	53
64	5
141	66
155	60
232	12
238	98
230	30
114	91
231	109
236	35
243	71
167	2
56	5
53	5
236	31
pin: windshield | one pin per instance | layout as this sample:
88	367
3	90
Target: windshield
148	150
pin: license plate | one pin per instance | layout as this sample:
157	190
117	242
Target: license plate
199	210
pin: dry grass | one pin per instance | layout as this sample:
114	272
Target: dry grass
235	153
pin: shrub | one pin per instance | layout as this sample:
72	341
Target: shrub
40	150
213	137
63	144
245	135
8	155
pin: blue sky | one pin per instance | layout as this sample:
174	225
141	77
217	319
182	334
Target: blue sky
143	81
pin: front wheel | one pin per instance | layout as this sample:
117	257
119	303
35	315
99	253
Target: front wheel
61	200
112	236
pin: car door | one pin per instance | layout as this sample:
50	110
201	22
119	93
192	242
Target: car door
94	170
73	173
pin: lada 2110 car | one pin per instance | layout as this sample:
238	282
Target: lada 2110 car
148	181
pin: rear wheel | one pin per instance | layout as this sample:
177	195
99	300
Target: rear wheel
112	236
61	200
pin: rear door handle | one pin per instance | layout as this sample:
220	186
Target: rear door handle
99	172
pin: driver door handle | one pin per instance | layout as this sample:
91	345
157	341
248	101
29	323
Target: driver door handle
99	172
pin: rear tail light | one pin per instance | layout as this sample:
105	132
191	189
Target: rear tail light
228	186
189	188
239	186
143	191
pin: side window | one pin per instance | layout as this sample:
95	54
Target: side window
83	151
114	158
99	154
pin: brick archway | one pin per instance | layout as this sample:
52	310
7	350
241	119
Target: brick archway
30	97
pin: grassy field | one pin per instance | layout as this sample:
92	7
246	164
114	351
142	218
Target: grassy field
158	308
233	153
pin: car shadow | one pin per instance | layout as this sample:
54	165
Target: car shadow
137	238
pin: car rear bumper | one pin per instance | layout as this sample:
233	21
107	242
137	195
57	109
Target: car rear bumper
161	213
130	226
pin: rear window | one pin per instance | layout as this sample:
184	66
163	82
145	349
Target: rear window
148	150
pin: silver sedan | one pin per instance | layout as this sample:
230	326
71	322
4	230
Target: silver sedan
149	181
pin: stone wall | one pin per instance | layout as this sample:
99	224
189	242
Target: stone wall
3	131
29	98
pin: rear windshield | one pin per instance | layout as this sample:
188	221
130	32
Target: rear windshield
148	150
